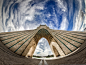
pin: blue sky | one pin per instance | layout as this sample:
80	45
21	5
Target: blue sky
16	15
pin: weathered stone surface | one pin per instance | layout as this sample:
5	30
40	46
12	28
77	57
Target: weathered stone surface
15	46
7	57
79	57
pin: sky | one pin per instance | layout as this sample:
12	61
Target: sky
16	15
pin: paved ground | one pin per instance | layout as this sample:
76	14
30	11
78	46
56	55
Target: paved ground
43	62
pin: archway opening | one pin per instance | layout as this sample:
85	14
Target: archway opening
43	49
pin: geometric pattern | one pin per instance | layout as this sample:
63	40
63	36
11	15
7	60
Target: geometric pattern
61	42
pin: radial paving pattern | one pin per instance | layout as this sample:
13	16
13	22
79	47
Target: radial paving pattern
21	42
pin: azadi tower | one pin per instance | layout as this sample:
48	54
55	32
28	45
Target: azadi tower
69	47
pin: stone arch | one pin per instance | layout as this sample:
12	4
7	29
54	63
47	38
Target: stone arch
32	45
30	52
42	33
55	47
56	54
65	42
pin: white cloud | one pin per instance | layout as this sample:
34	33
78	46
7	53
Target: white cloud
62	10
31	26
1	27
44	43
7	20
21	14
40	7
31	14
1	1
62	5
55	19
64	23
77	20
84	21
70	8
51	25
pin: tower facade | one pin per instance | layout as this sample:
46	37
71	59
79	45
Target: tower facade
62	43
